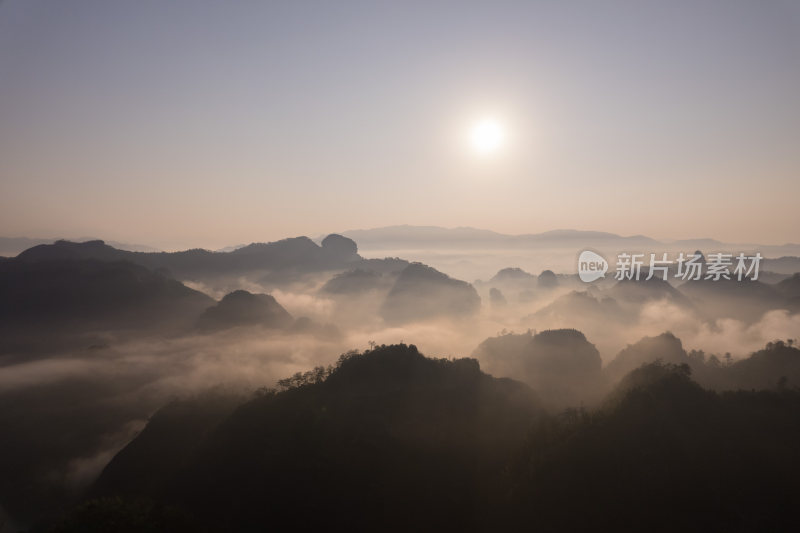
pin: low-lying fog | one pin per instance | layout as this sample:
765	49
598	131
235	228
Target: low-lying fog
105	389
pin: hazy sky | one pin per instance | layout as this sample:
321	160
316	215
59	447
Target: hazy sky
180	123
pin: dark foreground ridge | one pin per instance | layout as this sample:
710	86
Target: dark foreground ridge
391	440
384	433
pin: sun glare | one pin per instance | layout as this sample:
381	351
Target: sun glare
487	136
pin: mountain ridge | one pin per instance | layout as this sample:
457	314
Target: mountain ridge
405	234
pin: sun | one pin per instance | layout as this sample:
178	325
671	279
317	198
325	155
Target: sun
487	136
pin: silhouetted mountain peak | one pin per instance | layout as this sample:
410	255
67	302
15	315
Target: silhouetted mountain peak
512	274
421	292
496	297
662	385
352	282
341	246
290	245
87	244
63	249
357	436
418	271
665	347
296	254
655	288
547	279
581	304
790	286
777	365
92	292
560	364
240	308
559	336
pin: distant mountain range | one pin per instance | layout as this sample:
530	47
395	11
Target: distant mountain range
44	302
465	253
424	237
11	246
299	254
88	286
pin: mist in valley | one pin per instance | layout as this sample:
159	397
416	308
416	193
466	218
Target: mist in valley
96	343
399	266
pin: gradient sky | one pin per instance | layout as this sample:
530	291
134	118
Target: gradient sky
178	123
